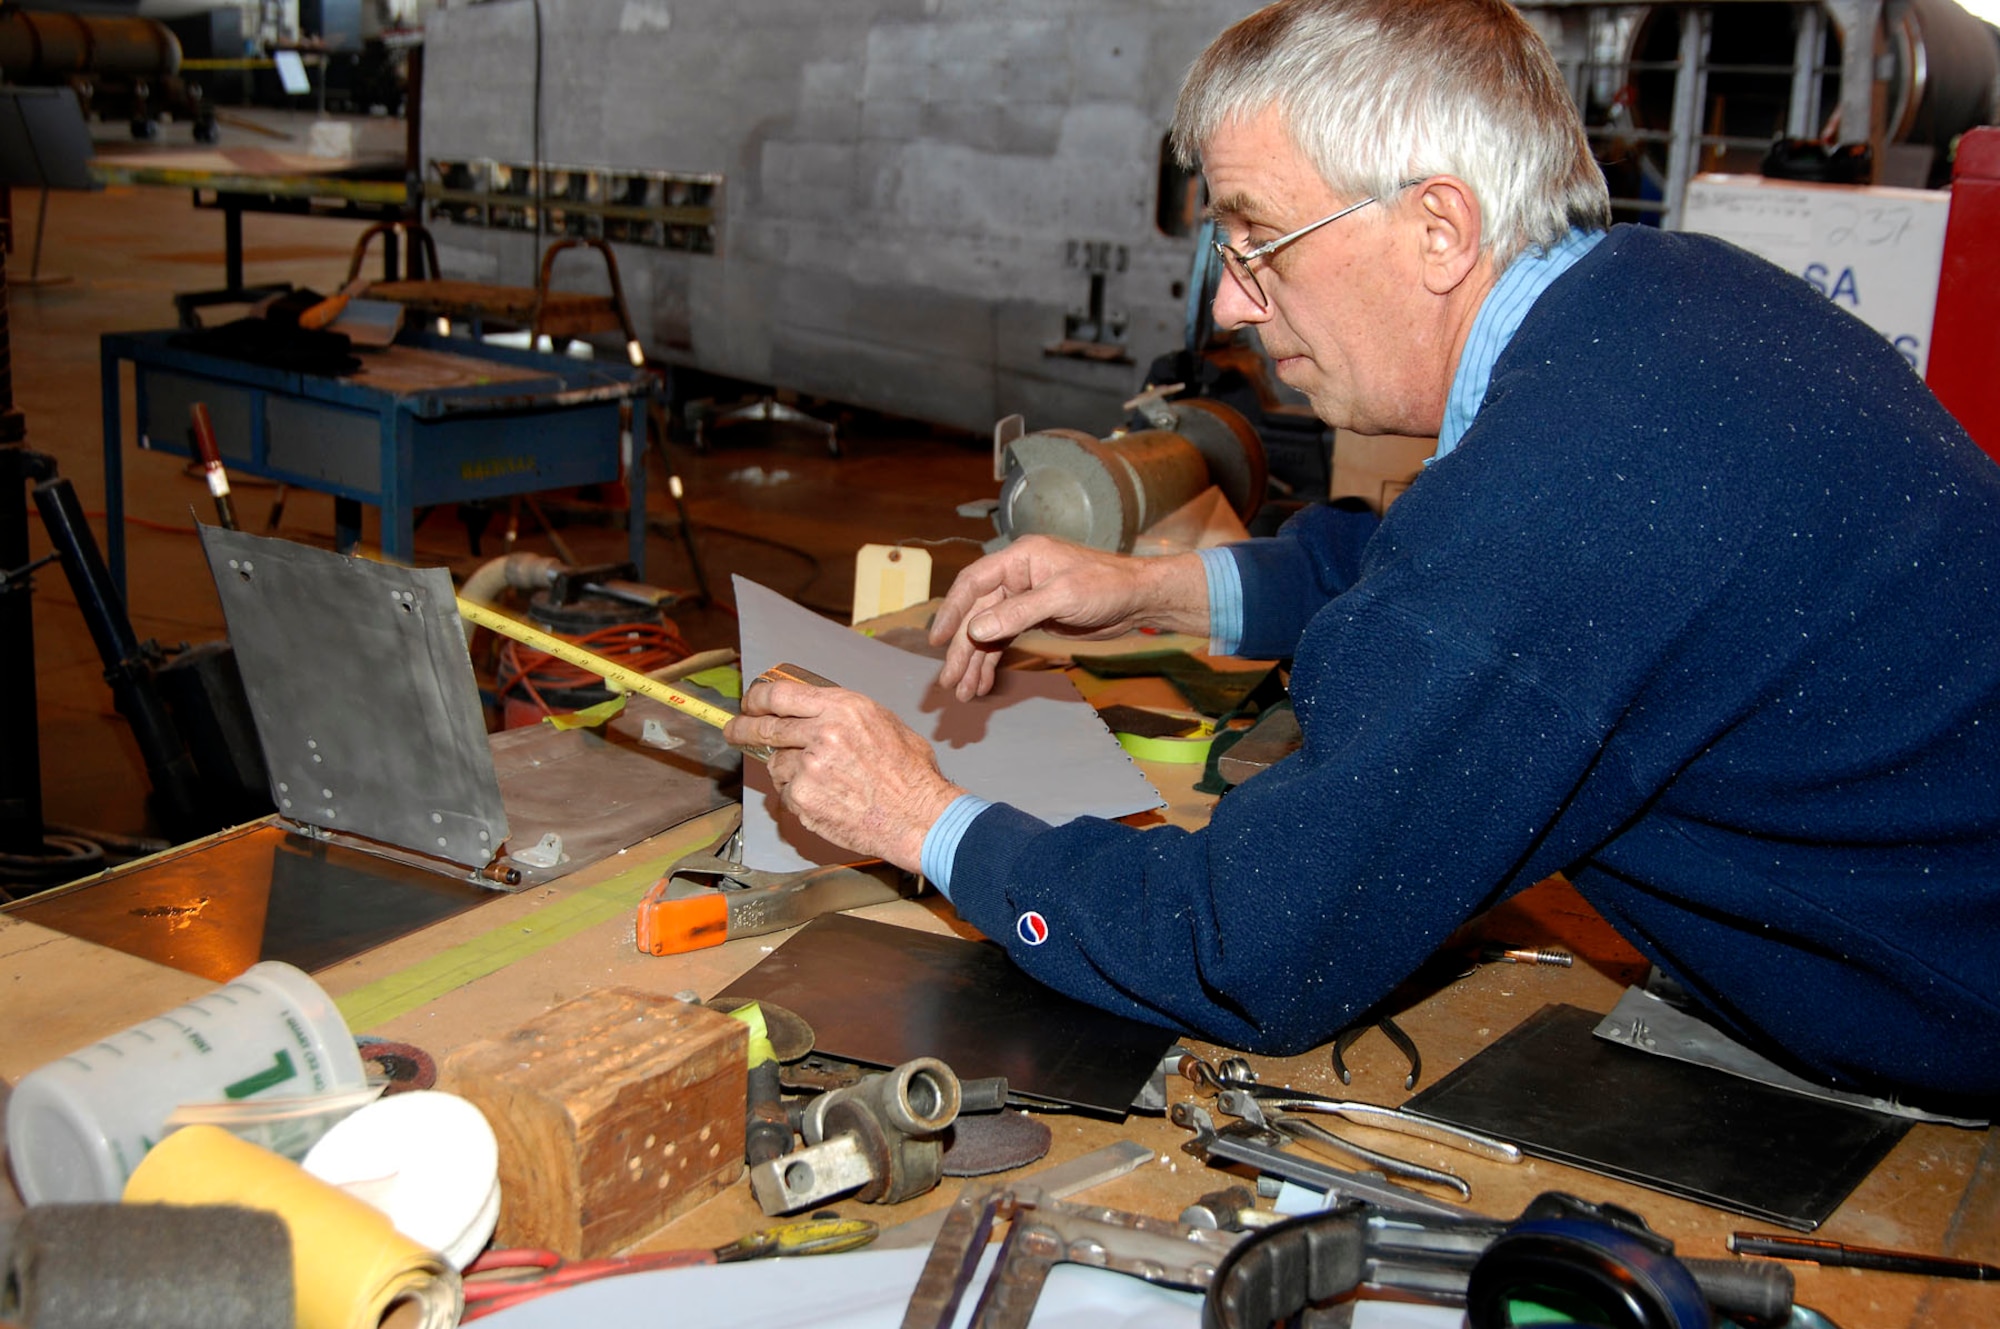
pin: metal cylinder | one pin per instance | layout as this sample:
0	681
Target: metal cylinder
38	45
919	1097
898	1120
1103	492
1097	492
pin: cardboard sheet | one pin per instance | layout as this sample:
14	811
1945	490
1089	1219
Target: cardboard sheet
1033	742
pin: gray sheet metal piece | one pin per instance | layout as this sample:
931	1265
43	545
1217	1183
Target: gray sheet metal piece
315	630
1643	1021
602	790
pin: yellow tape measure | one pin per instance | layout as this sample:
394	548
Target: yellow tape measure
616	675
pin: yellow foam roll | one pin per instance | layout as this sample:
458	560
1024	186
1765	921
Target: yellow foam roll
350	1267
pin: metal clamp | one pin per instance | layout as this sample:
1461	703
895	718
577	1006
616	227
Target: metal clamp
711	897
1042	1233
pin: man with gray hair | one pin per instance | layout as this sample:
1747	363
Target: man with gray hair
1698	603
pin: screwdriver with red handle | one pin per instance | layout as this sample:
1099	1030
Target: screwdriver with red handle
206	448
502	1278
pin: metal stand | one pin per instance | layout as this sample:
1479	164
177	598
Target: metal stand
21	830
36	277
45	144
20	768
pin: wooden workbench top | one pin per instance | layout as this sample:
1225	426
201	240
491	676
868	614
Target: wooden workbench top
1937	1191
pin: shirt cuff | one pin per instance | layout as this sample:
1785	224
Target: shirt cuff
941	840
1225	600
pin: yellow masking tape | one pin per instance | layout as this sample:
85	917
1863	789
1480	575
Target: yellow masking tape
752	1015
1180	751
351	1269
424	982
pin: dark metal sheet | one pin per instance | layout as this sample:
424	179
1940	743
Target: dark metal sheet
882	994
259	892
1558	1092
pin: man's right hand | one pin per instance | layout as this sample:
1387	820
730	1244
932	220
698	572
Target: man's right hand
1064	588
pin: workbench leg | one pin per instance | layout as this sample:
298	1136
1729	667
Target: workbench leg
635	486
399	530
232	248
114	471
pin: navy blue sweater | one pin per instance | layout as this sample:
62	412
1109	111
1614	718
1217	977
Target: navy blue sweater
1703	611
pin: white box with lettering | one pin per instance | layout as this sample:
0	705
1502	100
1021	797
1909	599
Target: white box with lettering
1873	250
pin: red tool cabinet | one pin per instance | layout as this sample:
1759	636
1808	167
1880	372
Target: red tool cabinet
1964	366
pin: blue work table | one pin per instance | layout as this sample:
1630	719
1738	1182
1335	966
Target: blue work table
426	421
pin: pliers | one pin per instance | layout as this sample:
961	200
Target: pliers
1273	1108
1394	1033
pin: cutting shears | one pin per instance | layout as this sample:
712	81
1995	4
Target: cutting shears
502	1278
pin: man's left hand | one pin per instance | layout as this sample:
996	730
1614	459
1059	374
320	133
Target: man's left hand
846	766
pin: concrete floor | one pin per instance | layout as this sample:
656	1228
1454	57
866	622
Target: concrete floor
767	501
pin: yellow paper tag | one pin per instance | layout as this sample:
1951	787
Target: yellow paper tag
888	578
590	717
726	679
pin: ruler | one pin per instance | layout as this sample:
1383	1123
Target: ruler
617	675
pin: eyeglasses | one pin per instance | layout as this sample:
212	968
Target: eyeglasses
1238	263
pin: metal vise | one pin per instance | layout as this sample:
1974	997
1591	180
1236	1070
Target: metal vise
1042	1233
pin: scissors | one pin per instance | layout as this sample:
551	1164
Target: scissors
502	1278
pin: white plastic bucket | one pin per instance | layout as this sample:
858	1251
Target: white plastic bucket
78	1126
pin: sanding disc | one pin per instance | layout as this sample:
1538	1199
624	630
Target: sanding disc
405	1066
993	1142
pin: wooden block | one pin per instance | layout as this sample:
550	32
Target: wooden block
615	1112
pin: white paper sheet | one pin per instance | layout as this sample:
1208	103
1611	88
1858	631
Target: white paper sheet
860	1290
1033	742
870	1290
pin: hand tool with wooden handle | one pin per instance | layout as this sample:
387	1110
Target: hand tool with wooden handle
331	308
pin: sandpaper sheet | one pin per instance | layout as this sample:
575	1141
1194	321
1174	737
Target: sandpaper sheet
1561	1093
1032	742
882	994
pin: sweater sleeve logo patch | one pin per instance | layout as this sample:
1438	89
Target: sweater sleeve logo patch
1032	928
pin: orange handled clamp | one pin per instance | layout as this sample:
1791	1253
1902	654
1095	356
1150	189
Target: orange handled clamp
709	898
